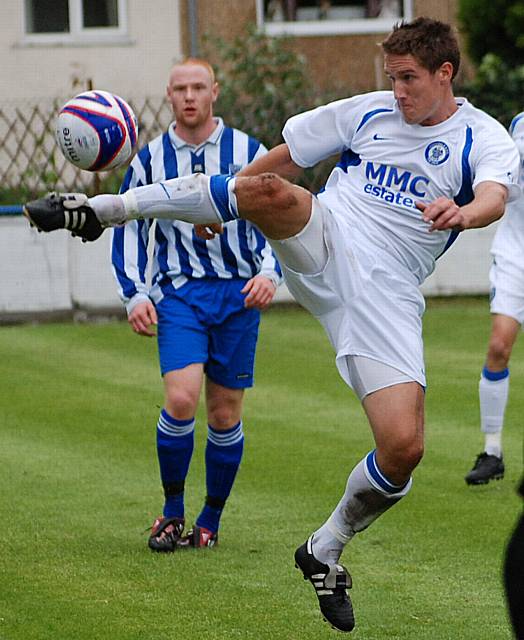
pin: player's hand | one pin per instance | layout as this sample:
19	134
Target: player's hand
442	214
143	318
208	231
260	291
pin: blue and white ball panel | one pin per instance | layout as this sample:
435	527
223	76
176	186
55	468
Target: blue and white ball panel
96	131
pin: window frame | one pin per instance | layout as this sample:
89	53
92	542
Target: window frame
330	27
79	35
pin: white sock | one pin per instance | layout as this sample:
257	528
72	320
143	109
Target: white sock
184	199
368	495
493	444
109	209
493	398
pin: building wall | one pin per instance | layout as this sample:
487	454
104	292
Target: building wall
54	274
347	64
137	66
159	36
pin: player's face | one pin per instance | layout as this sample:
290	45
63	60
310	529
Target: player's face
192	92
423	97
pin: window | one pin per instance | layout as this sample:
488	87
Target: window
47	16
75	21
330	17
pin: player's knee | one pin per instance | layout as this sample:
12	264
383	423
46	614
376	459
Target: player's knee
223	416
499	352
180	404
267	191
406	453
413	454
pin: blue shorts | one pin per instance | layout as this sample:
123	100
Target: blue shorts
206	321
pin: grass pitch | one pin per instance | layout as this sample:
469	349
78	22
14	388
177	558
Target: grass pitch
79	482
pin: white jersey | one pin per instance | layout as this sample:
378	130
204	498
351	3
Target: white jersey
510	232
507	272
387	165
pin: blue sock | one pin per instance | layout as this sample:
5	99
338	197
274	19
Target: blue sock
495	376
223	455
221	190
174	442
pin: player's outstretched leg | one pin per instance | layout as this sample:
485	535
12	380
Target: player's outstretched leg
69	211
197	199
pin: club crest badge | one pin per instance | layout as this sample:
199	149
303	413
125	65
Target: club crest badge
437	152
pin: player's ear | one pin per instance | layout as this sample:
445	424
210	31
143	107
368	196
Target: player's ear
215	91
446	72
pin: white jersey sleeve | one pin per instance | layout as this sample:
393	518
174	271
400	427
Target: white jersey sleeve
516	130
315	135
508	244
496	159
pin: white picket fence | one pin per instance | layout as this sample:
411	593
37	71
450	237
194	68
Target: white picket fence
55	274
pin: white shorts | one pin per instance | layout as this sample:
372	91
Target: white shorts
507	271
368	375
368	303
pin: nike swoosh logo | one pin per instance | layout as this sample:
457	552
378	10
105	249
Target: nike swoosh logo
377	137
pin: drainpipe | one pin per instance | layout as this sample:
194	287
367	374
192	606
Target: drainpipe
192	18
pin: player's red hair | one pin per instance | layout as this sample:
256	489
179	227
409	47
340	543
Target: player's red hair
199	61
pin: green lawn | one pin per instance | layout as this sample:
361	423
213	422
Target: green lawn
79	480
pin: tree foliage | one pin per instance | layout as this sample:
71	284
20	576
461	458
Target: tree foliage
497	88
494	31
262	83
494	26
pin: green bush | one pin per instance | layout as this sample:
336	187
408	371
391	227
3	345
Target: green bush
494	31
494	26
262	83
497	88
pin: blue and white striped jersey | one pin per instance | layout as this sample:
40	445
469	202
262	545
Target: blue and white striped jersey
179	255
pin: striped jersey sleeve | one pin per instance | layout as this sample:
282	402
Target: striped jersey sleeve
129	250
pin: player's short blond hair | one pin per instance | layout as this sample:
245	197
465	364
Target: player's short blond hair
199	61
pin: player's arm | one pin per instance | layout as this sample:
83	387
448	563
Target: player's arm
277	160
486	207
128	265
261	289
143	318
129	257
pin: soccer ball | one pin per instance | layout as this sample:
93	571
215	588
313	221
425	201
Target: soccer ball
96	131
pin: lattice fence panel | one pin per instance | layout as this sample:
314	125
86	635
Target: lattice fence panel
32	164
